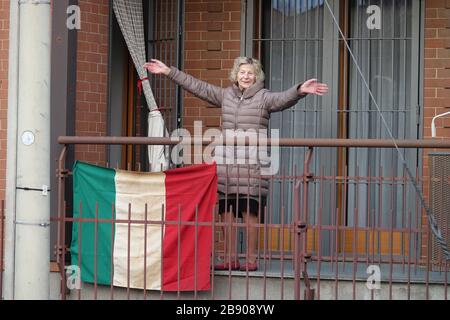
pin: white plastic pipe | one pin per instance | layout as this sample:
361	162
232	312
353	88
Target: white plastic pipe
32	253
433	125
11	152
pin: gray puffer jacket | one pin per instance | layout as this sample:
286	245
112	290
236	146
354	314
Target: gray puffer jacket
247	111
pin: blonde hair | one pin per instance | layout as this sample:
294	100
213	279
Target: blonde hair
259	73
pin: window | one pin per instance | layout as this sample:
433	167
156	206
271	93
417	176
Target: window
128	111
164	43
298	40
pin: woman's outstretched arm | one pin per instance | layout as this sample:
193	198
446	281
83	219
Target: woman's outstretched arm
199	88
278	101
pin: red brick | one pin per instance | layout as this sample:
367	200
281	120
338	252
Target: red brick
215	35
192	36
214	55
195	45
215	7
430	53
235	16
224	16
443	33
435	3
231	45
214	26
437	83
196	64
437	103
192	16
437	63
214	46
233	25
431	13
443	93
232	54
213	64
444	13
192	102
443	73
195	26
92	74
437	43
214	74
443	53
429	93
212	122
233	6
430	33
195	7
436	23
192	112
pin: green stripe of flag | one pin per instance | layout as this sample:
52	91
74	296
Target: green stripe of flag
93	185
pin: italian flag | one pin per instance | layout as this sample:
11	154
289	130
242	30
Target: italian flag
171	252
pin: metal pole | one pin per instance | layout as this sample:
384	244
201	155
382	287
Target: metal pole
282	142
11	168
32	254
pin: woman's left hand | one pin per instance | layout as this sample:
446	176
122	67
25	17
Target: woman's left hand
314	87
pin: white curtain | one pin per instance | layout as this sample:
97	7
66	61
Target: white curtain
129	14
386	59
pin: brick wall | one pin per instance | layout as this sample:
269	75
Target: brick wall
436	77
4	47
437	65
212	41
92	78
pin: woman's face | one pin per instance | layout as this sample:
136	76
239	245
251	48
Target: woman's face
246	76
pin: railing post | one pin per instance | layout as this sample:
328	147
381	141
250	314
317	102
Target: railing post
296	253
61	241
301	220
309	293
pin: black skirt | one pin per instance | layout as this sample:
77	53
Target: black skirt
238	207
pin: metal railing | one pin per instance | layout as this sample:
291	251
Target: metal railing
323	236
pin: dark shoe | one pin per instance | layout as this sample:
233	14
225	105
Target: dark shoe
249	267
227	266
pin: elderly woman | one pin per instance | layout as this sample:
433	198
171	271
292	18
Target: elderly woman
245	105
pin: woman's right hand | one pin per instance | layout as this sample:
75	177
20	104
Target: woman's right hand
157	67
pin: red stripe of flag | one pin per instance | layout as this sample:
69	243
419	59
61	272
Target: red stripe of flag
185	189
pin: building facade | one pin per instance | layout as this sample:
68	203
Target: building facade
404	54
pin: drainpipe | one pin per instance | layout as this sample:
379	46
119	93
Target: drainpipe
32	251
11	152
433	125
